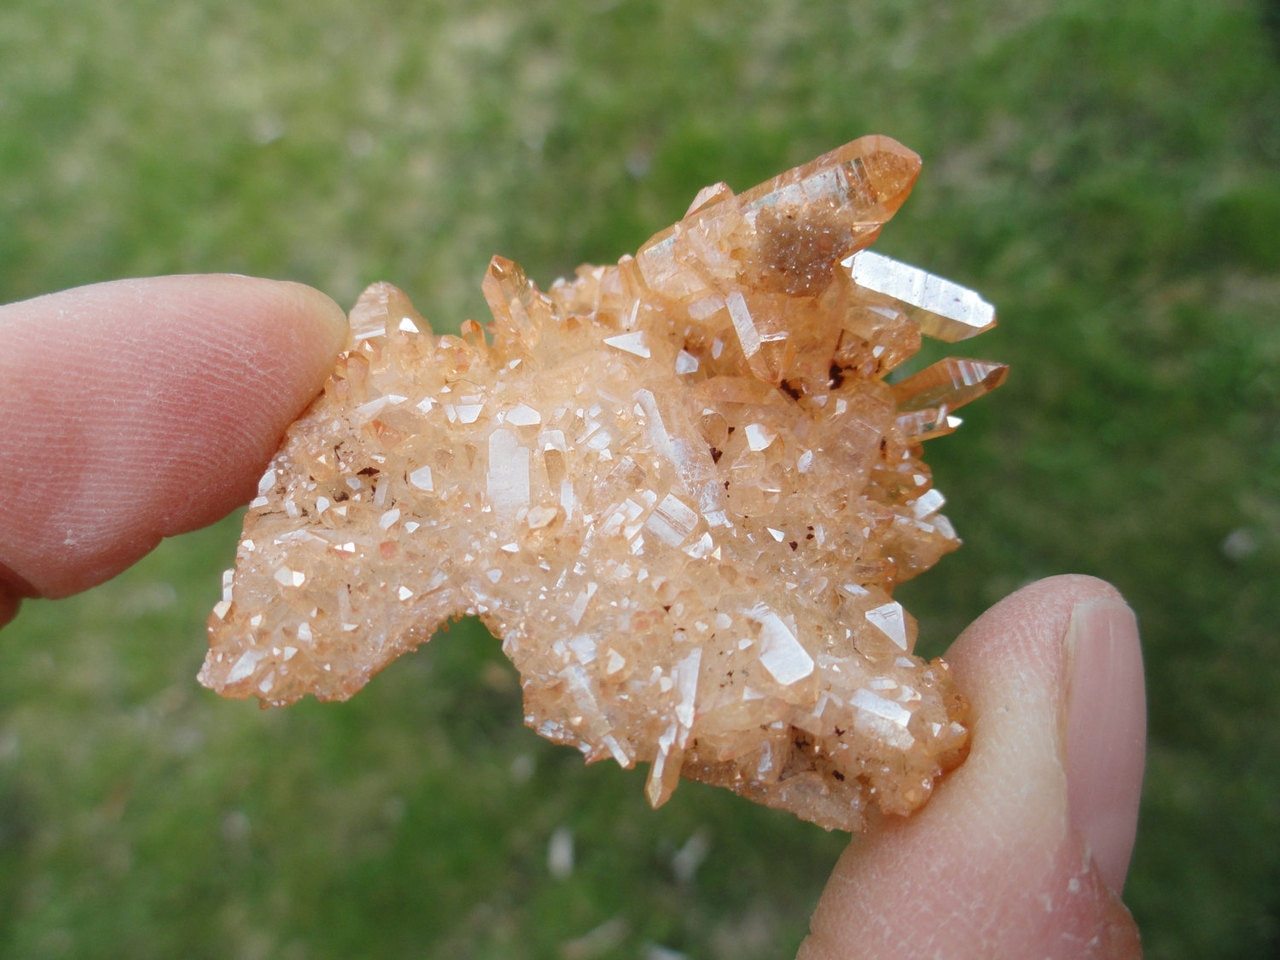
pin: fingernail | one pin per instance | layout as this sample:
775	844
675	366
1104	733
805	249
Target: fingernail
1106	732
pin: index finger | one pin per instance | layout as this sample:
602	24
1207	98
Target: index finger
138	409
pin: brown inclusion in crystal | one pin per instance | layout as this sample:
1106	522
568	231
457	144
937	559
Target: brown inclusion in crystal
679	489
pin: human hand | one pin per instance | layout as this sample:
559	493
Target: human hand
135	410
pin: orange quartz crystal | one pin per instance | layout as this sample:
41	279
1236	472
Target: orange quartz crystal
680	489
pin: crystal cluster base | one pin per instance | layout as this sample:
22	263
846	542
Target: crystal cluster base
680	489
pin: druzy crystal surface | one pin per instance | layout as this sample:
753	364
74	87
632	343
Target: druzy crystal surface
680	489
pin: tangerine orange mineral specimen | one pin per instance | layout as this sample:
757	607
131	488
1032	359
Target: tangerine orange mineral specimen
679	489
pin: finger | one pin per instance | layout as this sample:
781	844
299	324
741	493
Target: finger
138	409
1024	848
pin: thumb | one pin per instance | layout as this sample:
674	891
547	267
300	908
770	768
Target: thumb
1023	851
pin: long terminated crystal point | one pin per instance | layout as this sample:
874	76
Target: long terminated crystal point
943	310
679	488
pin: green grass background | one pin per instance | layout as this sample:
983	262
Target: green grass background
1105	172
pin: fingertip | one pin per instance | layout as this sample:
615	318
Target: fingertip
1031	622
252	315
995	864
276	342
318	308
137	409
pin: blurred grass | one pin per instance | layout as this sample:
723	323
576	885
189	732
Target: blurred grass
1105	173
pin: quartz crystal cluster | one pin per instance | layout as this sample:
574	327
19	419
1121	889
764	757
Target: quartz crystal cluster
680	489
